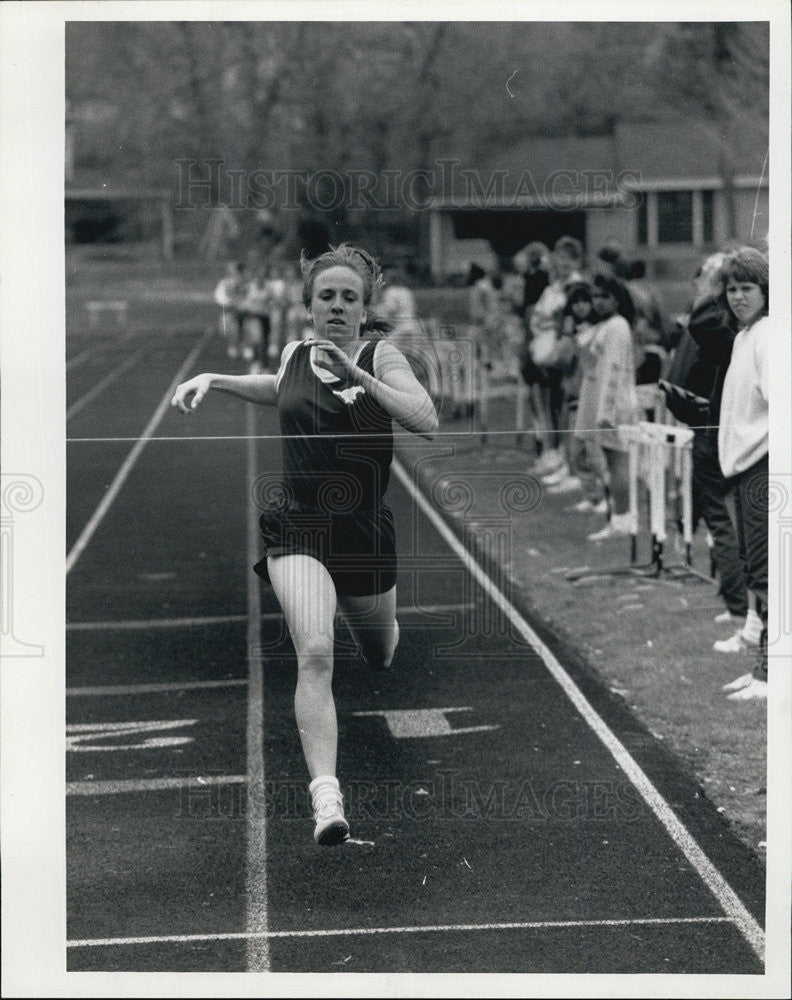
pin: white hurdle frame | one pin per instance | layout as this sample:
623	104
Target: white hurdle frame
664	446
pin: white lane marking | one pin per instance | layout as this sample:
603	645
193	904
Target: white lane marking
256	918
418	723
79	358
517	925
105	383
133	689
123	786
81	736
143	623
150	623
132	457
727	898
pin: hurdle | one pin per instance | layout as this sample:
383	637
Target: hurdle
97	308
652	449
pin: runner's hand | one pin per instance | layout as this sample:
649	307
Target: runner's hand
196	388
334	352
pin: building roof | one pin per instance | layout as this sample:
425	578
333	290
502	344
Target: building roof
582	171
681	148
103	193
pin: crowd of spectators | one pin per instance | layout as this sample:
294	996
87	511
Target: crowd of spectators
592	335
261	310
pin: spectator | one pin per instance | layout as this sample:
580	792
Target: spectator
693	399
276	303
532	263
584	456
650	327
485	304
229	295
397	305
545	329
743	437
611	262
255	311
608	399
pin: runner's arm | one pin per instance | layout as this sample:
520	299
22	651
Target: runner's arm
253	388
398	391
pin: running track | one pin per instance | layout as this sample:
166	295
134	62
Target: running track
507	816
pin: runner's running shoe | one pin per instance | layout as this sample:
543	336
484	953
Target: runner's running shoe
328	808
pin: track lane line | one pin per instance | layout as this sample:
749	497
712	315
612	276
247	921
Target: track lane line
728	899
121	476
122	786
111	690
256	917
78	359
267	616
105	383
415	929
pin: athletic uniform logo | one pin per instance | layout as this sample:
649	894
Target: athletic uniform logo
348	395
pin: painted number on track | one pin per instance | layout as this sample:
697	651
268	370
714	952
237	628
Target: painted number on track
422	722
88	736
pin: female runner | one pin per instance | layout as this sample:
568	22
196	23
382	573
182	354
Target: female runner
330	543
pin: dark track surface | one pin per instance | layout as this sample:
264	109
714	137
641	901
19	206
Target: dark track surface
527	820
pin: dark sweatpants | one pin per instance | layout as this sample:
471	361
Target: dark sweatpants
709	490
751	497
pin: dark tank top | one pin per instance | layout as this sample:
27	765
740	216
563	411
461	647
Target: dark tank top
338	441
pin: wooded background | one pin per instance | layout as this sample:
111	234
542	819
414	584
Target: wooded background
389	96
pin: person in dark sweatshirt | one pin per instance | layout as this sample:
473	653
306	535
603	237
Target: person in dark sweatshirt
701	360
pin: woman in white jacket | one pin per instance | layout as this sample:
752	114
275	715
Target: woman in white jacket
608	400
743	437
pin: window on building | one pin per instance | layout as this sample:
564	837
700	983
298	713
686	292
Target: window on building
675	217
708	216
643	218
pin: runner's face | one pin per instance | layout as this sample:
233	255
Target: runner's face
746	300
337	308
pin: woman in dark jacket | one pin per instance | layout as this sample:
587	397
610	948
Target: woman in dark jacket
707	343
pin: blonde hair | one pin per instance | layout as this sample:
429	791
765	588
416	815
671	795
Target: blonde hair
344	255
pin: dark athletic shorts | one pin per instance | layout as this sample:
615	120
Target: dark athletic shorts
358	548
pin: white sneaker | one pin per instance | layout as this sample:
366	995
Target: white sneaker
328	808
752	629
581	507
548	461
566	485
601	507
737	685
558	474
755	691
725	617
618	526
736	643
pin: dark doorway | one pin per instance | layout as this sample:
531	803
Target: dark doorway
509	231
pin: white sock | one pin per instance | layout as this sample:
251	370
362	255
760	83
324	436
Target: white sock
752	629
323	783
623	522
